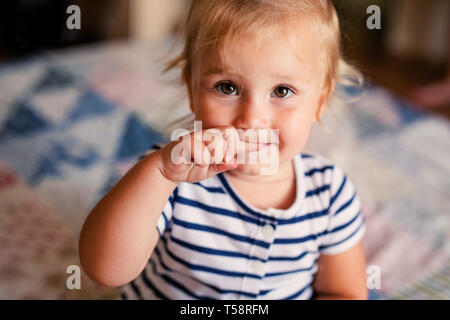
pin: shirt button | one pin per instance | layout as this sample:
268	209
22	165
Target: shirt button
268	230
257	266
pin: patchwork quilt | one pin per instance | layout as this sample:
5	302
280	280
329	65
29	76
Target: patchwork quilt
72	122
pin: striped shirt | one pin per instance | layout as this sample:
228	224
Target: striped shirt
215	245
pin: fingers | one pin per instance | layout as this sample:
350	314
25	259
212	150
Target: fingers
190	150
218	168
219	146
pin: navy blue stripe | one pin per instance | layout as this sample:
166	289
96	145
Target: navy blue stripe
237	215
309	237
184	289
175	196
165	219
312	171
181	287
216	210
333	198
345	205
211	251
149	284
295	295
216	289
199	267
210	189
275	274
307	156
194	226
290	258
345	225
171	201
200	227
136	290
157	229
317	190
299	240
264	292
240	202
234	254
307	216
343	240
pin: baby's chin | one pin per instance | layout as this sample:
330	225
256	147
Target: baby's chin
263	162
256	169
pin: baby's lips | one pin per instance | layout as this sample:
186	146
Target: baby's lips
259	136
249	146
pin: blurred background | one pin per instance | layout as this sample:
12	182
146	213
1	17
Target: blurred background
78	107
409	51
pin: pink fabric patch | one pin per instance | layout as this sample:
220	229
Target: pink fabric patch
390	249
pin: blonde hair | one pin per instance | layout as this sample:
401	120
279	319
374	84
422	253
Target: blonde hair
210	23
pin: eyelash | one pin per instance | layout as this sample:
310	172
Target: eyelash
229	82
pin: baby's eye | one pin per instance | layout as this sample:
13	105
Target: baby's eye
282	91
226	88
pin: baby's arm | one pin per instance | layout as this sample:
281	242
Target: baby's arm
120	233
342	276
341	265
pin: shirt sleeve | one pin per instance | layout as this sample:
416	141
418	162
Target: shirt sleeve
166	215
346	223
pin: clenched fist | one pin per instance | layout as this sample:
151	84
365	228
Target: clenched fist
204	153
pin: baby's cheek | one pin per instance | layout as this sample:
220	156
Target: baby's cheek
209	119
213	114
294	134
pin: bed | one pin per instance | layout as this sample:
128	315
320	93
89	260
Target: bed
73	121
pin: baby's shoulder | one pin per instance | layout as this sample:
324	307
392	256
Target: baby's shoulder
314	162
311	159
320	169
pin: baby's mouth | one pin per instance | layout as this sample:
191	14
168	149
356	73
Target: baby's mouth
260	137
260	146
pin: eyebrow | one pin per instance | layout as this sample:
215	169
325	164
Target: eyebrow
218	70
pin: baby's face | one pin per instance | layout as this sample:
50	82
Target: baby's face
262	83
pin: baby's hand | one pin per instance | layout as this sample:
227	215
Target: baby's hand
202	154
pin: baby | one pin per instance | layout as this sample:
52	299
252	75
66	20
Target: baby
228	230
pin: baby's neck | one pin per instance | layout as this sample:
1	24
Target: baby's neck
264	191
286	172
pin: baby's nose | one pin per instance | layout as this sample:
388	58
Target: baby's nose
253	114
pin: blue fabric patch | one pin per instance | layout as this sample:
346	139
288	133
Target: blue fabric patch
59	154
90	105
375	295
136	139
367	126
54	79
23	121
408	113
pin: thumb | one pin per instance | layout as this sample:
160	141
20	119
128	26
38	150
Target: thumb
222	167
